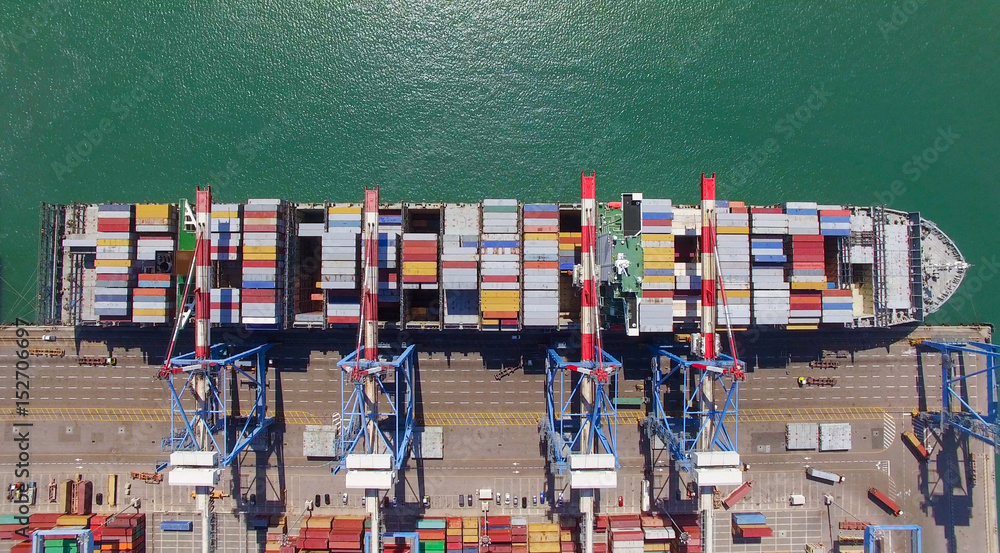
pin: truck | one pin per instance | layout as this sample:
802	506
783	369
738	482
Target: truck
47	352
96	361
816	381
884	501
738	494
918	448
823	475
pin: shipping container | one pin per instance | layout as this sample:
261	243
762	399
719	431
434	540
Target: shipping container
884	500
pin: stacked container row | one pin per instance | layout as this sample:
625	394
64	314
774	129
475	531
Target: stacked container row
750	525
769	220
541	265
656	310
226	232
153	297
340	271
263	262
225	308
390	227
834	221
500	262
420	261
460	265
626	534
114	261
343	534
569	250
543	537
837	306
803	218
125	533
432	533
733	251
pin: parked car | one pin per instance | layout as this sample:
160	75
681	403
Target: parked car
427	501
506	499
621	501
534	499
48	337
498	498
524	502
461	500
541	498
344	498
470	500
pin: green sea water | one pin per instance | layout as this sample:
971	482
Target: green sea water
445	100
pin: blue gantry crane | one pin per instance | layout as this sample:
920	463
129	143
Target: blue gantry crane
956	412
876	535
699	419
202	406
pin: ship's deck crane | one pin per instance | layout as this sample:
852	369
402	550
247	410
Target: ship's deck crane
203	403
700	440
584	442
374	441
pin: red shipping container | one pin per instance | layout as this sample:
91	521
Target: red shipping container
419	279
459	264
657	293
567	547
314	543
419	256
342	320
771	210
656	223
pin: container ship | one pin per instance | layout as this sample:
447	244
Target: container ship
497	265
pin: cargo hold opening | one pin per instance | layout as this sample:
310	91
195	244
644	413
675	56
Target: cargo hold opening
307	296
570	226
422	308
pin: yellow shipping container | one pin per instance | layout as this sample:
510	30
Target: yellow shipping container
470	522
658	257
501	293
737	293
260	249
112	263
152	211
344	210
420	265
225	214
808	286
542	547
656	546
565	535
543	527
567	247
802	327
650	236
453	532
419	272
658	278
116	242
541	236
73	520
149	312
259	256
732	230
